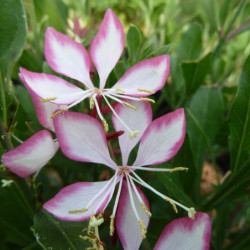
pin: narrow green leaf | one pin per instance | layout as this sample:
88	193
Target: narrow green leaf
13	32
134	43
239	121
61	234
190	46
195	72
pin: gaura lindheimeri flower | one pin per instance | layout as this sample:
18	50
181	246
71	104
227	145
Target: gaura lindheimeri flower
82	138
34	153
185	233
71	59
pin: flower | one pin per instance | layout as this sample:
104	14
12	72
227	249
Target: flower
34	153
71	59
82	138
185	233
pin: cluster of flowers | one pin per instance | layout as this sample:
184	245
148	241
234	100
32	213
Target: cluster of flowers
82	137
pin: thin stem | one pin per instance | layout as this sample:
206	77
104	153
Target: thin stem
3	97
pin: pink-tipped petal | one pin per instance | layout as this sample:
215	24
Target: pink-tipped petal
47	86
43	110
82	138
107	46
150	74
126	223
67	57
75	197
31	155
186	233
162	139
138	119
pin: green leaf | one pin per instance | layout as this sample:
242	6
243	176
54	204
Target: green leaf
195	72
56	234
134	43
162	50
190	46
13	33
205	117
239	121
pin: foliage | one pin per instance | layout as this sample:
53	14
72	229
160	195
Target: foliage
208	42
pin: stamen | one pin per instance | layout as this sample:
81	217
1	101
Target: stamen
105	126
191	213
58	112
111	228
77	211
147	91
121	90
172	203
124	96
143	183
139	197
178	169
91	103
129	105
143	229
147	99
97	108
81	99
132	134
48	99
16	138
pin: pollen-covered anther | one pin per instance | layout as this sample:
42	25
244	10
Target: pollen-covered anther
121	90
111	228
147	99
146	90
133	134
48	99
172	203
77	211
94	222
143	229
91	103
191	213
105	125
178	169
58	112
129	105
145	209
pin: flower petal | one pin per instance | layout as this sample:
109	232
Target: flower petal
44	110
82	138
67	57
186	233
31	155
162	139
150	74
138	119
126	223
47	86
75	197
107	46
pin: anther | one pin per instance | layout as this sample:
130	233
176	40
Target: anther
172	203
58	112
146	90
111	228
145	209
178	169
48	99
91	103
129	105
143	229
147	99
105	125
121	90
133	134
191	213
77	211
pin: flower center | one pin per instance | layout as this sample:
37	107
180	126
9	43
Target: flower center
97	91
123	170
